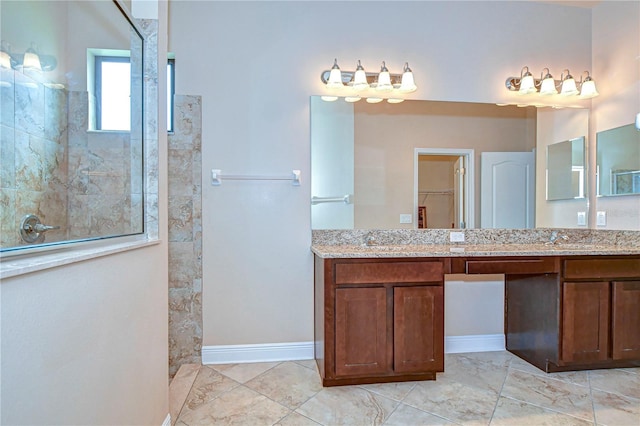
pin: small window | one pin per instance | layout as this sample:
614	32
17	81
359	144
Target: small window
113	92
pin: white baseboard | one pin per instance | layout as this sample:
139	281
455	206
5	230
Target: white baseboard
474	343
270	352
167	420
236	354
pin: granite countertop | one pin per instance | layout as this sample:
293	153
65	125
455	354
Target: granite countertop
466	250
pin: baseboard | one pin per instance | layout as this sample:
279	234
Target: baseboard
236	354
167	420
474	343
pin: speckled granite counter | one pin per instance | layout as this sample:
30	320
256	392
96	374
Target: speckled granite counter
479	242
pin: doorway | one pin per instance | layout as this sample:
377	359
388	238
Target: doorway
443	188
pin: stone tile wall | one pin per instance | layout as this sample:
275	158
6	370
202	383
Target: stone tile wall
185	234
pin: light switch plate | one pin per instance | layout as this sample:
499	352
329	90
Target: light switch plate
601	218
456	237
405	218
582	218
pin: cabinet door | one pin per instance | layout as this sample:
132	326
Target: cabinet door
626	320
418	324
585	322
361	331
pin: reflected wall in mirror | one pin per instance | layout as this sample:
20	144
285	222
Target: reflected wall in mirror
367	151
566	177
80	182
618	161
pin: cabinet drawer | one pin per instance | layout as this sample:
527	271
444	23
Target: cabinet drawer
389	272
602	268
511	266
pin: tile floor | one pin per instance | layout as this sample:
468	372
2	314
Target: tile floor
488	388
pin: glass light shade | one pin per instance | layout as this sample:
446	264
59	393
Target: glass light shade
548	86
31	61
638	121
569	87
352	99
395	100
384	80
374	100
407	85
335	76
5	59
527	85
588	89
335	79
329	98
360	78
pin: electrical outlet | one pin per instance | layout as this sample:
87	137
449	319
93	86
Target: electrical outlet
582	218
601	218
456	237
405	218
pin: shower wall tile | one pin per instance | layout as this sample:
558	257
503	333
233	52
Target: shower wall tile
7	86
29	105
8	223
78	119
7	157
55	114
185	234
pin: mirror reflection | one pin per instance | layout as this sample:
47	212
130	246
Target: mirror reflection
365	161
618	161
566	177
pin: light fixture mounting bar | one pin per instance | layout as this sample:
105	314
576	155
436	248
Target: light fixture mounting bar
347	77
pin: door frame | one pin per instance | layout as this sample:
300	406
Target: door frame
469	180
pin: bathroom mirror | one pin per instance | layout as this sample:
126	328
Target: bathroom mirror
566	176
362	158
618	161
69	174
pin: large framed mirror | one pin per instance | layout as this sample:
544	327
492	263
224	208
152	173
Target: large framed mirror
366	172
618	161
71	86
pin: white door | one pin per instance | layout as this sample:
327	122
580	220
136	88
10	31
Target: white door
507	190
458	194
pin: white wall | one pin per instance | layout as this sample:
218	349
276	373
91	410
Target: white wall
257	63
87	343
616	63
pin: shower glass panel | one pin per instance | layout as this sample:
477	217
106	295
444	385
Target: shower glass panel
61	180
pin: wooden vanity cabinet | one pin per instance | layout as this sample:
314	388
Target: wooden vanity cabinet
379	320
601	311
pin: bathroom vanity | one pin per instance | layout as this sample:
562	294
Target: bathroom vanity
379	311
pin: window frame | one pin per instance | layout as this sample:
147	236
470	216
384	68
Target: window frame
99	59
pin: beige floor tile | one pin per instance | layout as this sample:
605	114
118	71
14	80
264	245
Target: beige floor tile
577	377
615	410
180	387
209	385
510	412
454	401
288	383
396	391
405	415
556	395
240	406
295	419
309	363
242	373
616	381
479	371
347	405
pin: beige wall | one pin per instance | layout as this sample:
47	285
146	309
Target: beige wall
257	266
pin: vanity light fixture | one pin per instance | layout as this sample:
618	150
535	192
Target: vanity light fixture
546	86
31	59
6	60
337	81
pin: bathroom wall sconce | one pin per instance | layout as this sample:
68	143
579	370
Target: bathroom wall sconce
546	85
383	82
31	60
